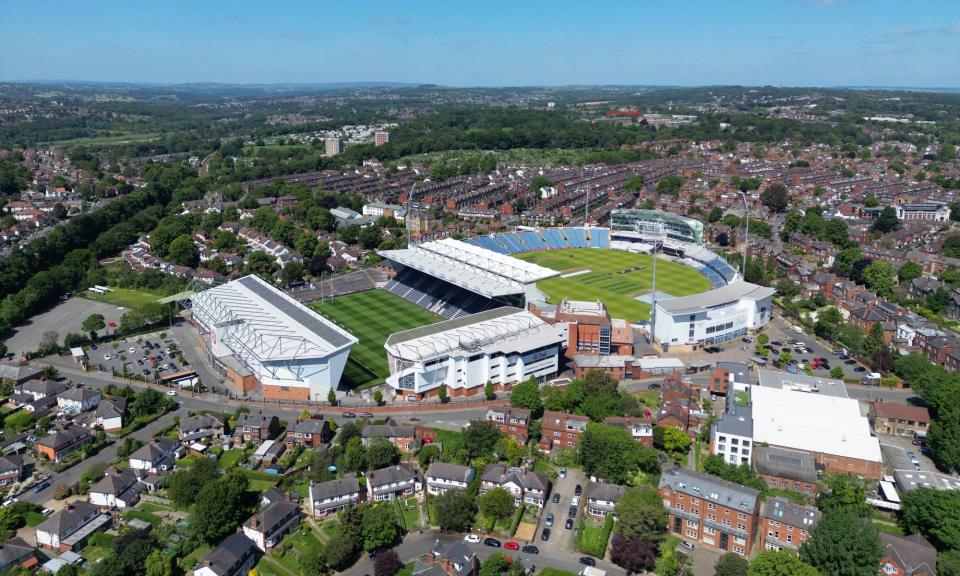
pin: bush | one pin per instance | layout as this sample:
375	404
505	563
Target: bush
61	491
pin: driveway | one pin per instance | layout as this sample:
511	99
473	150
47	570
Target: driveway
561	539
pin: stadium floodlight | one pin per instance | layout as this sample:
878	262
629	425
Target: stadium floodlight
658	232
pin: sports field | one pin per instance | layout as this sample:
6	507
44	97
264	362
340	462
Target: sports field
609	280
371	316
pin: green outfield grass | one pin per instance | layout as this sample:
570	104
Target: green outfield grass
604	282
371	316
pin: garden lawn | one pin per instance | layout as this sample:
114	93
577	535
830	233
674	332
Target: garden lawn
409	513
126	297
230	458
260	481
593	538
140	515
34	518
372	316
556	572
606	283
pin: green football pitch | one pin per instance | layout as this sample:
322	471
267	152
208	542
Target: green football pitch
615	278
371	316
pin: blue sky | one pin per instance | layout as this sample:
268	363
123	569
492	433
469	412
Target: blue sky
487	42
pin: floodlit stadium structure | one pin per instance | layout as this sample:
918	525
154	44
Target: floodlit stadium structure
256	335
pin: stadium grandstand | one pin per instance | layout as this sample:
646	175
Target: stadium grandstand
504	346
634	223
258	337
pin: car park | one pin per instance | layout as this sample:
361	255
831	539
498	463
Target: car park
472	538
511	545
587	561
530	550
492	542
545	535
569	524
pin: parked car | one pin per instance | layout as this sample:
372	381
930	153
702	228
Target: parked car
545	535
653	386
859	369
572	512
587	561
41	487
146	371
171	392
106	356
686	545
132	350
366	414
472	538
349	415
569	524
492	542
511	545
549	520
556	497
577	491
563	472
576	500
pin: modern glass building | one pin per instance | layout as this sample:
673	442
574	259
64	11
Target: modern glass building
649	222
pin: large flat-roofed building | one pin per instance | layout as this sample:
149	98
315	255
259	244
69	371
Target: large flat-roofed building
787	469
257	335
648	224
505	345
927	211
714	316
801	383
591	331
831	428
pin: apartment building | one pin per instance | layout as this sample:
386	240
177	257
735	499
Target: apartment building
561	431
785	525
907	555
710	511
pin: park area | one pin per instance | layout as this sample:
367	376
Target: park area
372	316
613	277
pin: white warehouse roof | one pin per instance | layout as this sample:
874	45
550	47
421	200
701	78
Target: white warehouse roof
812	422
723	295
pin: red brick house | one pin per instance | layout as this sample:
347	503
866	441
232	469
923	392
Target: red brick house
561	431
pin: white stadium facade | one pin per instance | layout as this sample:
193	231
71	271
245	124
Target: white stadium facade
712	317
256	335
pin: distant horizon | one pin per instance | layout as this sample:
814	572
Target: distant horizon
499	43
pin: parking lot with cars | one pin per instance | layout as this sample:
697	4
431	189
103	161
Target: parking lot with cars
558	509
148	355
900	453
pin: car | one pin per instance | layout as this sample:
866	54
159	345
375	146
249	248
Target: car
366	414
146	371
13	501
47	511
528	549
426	441
578	490
106	356
576	500
165	367
569	524
93	346
41	487
171	392
563	472
349	415
572	512
911	455
132	350
747	340
587	561
549	520
686	545
849	361
413	419
556	497
837	353
545	535
511	545
916	441
471	538
777	343
140	362
859	369
492	542
653	386
916	465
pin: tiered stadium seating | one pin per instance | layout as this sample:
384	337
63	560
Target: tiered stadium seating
599	237
555	240
437	295
577	238
532	240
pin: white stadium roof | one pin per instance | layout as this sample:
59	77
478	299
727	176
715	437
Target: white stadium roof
485	331
259	322
471	267
729	293
812	422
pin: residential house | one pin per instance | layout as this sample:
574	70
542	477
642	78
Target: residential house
442	477
602	498
17	374
907	555
200	427
334	495
255	428
787	469
16	553
404	437
11	469
71	527
119	488
513	422
41	388
561	431
679	405
899	419
267	527
156	456
235	556
309	433
785	525
57	446
111	413
710	511
392	482
77	400
527	487
41	407
453	559
641	429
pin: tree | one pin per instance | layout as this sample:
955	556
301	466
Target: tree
158	564
50	373
908	271
836	373
220	507
641	513
731	564
634	183
610	452
292	273
635	554
381	454
948	563
342	550
843	543
313	562
494	565
183	251
886	221
879	277
379	524
480	438
775	197
442	393
428	453
924	512
496	503
488	391
938	300
780	563
846	259
387	563
716	213
92	323
378	396
331	397
841	491
943	438
828	323
527	395
539	181
674	440
455	510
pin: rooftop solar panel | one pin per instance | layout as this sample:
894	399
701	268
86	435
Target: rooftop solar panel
308	321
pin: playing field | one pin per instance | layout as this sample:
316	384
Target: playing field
609	280
371	316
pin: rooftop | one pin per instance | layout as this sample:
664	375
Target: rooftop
717	297
711	489
802	383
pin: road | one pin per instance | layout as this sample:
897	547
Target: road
71	476
416	544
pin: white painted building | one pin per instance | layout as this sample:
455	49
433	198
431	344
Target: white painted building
713	317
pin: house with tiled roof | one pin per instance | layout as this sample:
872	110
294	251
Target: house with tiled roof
57	446
119	488
907	555
333	496
602	498
527	487
235	556
899	419
392	482
442	476
71	527
267	527
308	433
200	427
156	456
17	553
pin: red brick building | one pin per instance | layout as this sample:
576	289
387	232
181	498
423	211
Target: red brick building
513	422
785	525
561	431
907	556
